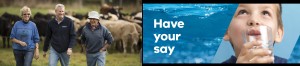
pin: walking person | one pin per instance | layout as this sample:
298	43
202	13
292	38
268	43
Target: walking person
25	38
94	37
60	38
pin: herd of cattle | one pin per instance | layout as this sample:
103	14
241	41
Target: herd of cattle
127	31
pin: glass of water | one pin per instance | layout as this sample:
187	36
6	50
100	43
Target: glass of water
260	33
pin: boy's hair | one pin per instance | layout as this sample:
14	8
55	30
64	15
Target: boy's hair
279	14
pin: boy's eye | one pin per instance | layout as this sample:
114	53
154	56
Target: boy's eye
266	13
241	12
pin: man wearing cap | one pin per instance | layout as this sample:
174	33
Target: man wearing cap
94	36
61	38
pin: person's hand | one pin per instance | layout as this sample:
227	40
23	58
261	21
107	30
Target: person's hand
69	51
252	52
36	54
22	43
44	54
103	49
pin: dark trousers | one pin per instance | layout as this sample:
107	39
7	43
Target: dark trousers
23	57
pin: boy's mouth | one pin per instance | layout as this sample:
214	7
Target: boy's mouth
254	32
261	33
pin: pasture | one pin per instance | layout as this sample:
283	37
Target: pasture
77	58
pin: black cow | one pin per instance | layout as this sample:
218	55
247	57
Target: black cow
113	10
80	16
117	11
7	22
41	22
78	39
3	30
136	16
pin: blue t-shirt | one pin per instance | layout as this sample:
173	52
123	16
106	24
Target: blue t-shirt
26	32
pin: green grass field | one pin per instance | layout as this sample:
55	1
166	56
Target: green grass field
77	58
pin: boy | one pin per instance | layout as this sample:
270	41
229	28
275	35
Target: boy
249	15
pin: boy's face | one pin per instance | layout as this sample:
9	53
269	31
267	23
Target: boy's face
249	15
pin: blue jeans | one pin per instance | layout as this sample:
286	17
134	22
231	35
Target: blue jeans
23	57
93	58
55	56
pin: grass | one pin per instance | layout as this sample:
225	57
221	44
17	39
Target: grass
77	58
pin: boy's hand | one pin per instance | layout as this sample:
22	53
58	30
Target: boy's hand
252	52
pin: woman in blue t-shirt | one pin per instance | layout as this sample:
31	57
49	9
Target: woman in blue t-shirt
25	38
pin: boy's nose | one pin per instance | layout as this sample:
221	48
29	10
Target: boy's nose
253	22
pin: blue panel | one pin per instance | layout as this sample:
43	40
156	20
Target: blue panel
204	27
295	56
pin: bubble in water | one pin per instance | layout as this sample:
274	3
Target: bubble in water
198	60
175	16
